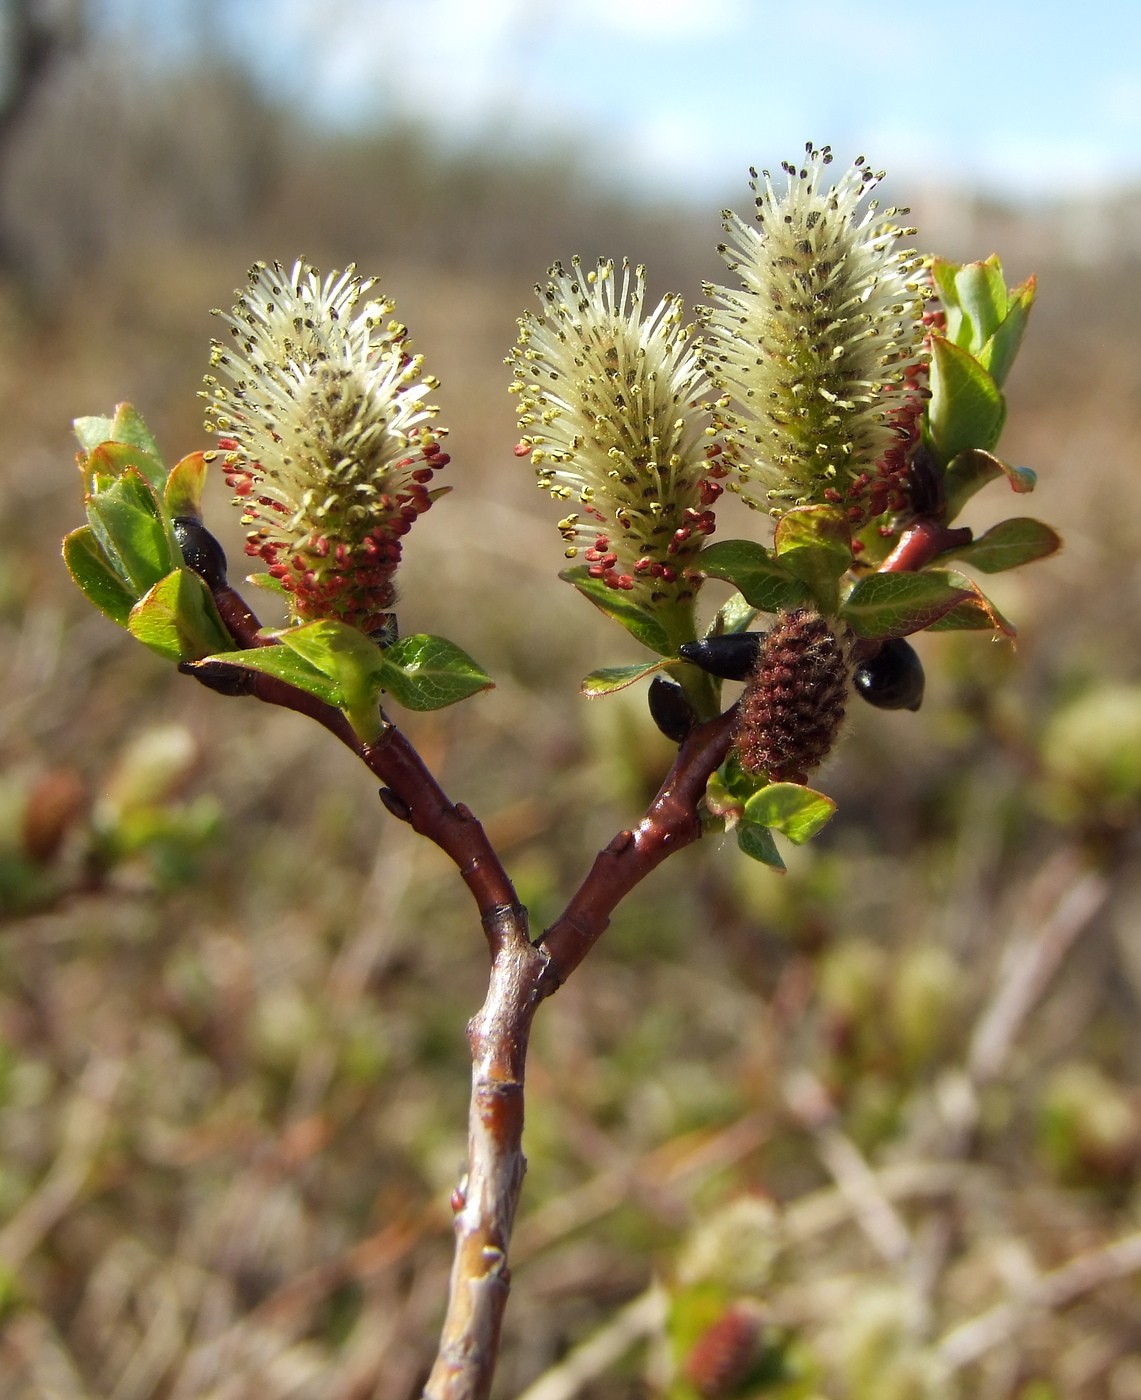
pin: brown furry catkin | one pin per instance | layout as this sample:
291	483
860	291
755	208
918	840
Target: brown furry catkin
793	703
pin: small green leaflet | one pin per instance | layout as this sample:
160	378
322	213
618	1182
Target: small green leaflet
111	459
92	431
967	408
427	673
728	790
764	584
975	614
340	652
91	572
610	679
183	492
998	354
1007	545
795	811
981	291
972	469
288	666
616	603
895	605
128	426
128	524
814	544
738	780
757	841
340	665
178	620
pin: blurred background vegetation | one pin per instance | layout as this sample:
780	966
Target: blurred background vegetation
838	1134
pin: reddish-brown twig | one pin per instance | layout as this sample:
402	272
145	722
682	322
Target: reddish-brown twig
522	974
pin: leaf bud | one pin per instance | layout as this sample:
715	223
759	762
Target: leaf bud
201	551
670	709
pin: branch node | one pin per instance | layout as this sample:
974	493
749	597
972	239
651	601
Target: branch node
622	842
395	805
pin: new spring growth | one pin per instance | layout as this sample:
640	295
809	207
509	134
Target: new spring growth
610	416
819	357
323	423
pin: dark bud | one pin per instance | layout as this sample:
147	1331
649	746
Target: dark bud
732	657
925	485
219	676
893	678
670	709
387	632
395	805
201	551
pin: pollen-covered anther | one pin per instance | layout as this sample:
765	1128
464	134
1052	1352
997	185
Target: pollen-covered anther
793	703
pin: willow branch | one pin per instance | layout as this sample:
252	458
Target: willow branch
670	824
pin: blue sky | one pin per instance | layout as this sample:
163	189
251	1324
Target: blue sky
1015	98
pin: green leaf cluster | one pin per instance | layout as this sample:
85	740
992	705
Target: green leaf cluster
341	666
756	808
126	558
985	322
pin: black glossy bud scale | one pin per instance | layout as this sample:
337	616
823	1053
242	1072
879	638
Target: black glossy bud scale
892	679
219	676
670	709
200	551
732	656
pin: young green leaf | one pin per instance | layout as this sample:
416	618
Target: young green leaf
720	802
285	665
972	468
966	408
943	274
131	531
795	811
974	614
183	492
610	679
91	572
92	431
347	657
997	355
895	605
738	780
765	584
427	673
757	841
616	604
1007	545
113	458
128	426
814	543
981	291
178	620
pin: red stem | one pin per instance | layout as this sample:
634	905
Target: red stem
923	540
